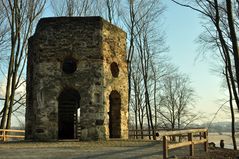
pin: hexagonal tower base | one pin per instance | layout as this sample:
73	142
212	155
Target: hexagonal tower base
77	84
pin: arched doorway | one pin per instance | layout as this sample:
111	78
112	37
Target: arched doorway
114	115
69	102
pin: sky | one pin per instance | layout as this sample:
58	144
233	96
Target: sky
183	28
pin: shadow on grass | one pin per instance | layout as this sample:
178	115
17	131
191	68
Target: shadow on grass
142	151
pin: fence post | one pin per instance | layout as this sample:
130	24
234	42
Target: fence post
191	147
4	135
205	136
165	147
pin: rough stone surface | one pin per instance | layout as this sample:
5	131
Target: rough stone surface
94	44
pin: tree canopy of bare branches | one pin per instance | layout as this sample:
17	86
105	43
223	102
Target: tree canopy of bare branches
21	16
221	29
176	107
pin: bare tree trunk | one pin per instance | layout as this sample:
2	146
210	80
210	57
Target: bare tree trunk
136	123
141	118
233	39
226	54
13	90
15	33
131	48
109	4
141	127
136	105
154	94
179	125
144	62
70	7
150	114
7	94
10	67
231	109
148	120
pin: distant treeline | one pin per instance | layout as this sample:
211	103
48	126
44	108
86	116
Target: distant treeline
219	126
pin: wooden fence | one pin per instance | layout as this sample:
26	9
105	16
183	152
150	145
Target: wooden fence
6	134
194	136
137	134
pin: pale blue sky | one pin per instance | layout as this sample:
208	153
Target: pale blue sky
182	26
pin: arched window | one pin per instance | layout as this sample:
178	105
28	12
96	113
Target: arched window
114	69
114	115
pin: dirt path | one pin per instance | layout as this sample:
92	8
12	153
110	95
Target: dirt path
81	150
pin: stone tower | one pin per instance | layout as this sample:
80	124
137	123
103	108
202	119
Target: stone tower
77	80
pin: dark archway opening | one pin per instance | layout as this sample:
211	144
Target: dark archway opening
114	115
69	102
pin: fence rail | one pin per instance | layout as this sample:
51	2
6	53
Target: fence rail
5	134
143	133
191	135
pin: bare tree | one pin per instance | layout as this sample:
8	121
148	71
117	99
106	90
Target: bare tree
21	16
139	16
108	9
221	33
4	30
177	99
145	40
3	27
73	7
233	131
138	103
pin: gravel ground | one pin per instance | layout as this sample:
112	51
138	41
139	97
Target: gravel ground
80	150
101	150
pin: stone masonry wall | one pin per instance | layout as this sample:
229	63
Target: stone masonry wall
91	44
114	48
